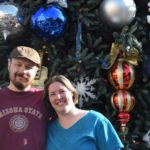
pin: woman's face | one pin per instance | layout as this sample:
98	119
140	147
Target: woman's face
60	97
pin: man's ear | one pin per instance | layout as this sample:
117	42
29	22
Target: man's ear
9	62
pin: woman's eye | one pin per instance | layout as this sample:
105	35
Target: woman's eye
62	92
51	94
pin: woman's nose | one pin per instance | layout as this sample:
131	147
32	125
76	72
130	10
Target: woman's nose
58	96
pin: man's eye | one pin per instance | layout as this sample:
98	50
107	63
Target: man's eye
18	65
29	68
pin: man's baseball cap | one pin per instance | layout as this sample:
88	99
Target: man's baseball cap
26	52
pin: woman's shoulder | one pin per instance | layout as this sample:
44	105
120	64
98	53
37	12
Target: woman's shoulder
98	118
97	115
52	123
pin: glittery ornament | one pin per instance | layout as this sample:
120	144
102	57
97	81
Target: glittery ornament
123	118
122	101
49	22
121	75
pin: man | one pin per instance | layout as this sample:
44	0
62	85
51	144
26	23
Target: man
23	115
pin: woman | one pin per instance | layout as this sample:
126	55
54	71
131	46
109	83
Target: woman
73	128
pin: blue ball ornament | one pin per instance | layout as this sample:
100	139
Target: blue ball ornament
49	22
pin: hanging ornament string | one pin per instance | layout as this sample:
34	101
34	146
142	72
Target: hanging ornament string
78	40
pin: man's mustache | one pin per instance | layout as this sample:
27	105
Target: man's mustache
23	75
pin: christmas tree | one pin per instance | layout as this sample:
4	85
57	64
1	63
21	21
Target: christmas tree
77	44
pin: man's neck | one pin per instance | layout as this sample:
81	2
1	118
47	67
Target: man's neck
14	88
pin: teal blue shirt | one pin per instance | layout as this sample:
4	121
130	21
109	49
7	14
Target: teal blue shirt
92	132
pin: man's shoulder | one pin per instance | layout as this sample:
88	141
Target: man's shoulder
2	89
35	89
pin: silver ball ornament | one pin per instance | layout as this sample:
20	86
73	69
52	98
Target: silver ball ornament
9	20
117	13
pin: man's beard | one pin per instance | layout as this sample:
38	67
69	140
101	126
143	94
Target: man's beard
19	85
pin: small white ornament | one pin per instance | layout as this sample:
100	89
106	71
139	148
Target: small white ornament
62	3
148	19
85	88
146	138
148	16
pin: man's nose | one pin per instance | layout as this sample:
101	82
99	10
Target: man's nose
23	70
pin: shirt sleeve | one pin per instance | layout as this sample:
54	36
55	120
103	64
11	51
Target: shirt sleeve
106	136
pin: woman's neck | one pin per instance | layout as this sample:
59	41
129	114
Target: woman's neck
67	115
70	118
